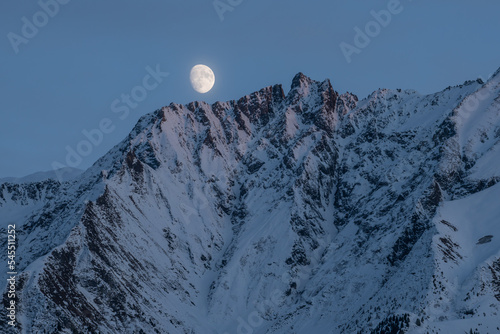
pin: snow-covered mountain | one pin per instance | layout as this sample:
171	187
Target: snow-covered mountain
62	174
305	212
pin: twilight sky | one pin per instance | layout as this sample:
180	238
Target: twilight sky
63	75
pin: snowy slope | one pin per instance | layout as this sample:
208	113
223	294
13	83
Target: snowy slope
302	212
467	248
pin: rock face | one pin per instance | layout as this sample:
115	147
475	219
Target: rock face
306	212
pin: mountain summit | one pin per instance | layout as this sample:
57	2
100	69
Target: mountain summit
306	212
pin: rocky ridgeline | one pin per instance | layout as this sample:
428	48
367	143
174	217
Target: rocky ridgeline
309	211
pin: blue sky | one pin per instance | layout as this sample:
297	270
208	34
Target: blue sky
63	79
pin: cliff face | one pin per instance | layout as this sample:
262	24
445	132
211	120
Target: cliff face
297	213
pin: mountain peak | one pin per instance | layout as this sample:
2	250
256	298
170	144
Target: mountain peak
326	204
301	80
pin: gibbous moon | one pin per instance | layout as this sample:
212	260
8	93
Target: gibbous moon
202	78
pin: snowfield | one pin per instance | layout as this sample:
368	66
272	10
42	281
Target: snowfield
305	212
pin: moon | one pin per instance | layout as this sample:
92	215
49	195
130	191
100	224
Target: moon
202	78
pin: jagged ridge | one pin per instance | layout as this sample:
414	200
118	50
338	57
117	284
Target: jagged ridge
278	213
